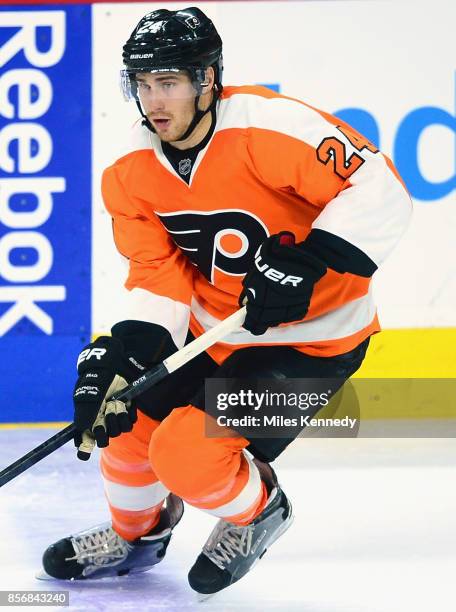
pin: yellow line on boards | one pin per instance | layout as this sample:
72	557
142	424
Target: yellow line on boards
411	353
50	425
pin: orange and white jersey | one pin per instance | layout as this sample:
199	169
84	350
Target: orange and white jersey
273	163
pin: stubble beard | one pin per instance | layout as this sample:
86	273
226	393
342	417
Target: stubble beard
176	132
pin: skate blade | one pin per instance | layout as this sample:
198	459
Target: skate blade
202	597
42	575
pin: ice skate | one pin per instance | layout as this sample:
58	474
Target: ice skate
232	550
99	552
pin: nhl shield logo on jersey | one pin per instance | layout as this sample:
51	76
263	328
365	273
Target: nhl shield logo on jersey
224	240
185	165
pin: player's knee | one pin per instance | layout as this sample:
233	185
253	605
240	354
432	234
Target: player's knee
182	457
171	448
161	449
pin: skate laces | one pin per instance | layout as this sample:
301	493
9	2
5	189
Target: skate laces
99	548
226	541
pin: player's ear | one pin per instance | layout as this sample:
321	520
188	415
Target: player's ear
208	83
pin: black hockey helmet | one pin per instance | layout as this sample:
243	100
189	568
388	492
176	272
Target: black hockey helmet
174	40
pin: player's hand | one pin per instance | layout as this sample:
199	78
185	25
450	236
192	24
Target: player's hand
279	285
103	369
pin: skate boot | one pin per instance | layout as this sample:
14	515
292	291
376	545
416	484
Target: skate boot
232	550
100	551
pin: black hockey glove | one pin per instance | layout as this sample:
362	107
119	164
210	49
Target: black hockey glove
105	367
279	286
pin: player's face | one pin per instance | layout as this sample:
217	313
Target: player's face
168	100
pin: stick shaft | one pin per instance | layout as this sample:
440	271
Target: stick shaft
36	454
206	340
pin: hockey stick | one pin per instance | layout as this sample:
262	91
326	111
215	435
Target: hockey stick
144	382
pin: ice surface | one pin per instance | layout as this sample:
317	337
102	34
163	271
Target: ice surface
375	531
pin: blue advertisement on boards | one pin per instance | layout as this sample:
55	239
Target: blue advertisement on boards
45	207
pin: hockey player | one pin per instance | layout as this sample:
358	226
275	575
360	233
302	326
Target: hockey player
227	194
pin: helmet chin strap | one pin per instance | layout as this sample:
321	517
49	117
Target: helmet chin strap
145	122
198	115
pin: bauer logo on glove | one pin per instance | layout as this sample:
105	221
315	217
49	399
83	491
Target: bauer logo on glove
86	354
273	274
103	370
279	285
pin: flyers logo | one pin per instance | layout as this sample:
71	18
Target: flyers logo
224	240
